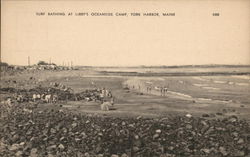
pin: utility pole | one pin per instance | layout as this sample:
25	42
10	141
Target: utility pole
28	60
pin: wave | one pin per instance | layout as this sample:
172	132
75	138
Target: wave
200	78
213	88
200	85
242	84
219	81
180	94
246	77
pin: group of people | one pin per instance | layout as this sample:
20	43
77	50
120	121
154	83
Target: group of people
35	97
105	96
48	98
162	89
60	86
105	93
47	94
149	89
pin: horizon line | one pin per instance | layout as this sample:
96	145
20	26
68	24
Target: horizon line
178	65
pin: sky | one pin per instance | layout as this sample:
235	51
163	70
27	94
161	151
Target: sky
192	37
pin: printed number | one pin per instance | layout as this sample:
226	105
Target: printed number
216	14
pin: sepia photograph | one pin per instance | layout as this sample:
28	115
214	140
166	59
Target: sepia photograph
125	78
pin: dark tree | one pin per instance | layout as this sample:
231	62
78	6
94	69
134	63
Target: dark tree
42	63
3	64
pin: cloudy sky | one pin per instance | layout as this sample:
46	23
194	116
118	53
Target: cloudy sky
192	36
